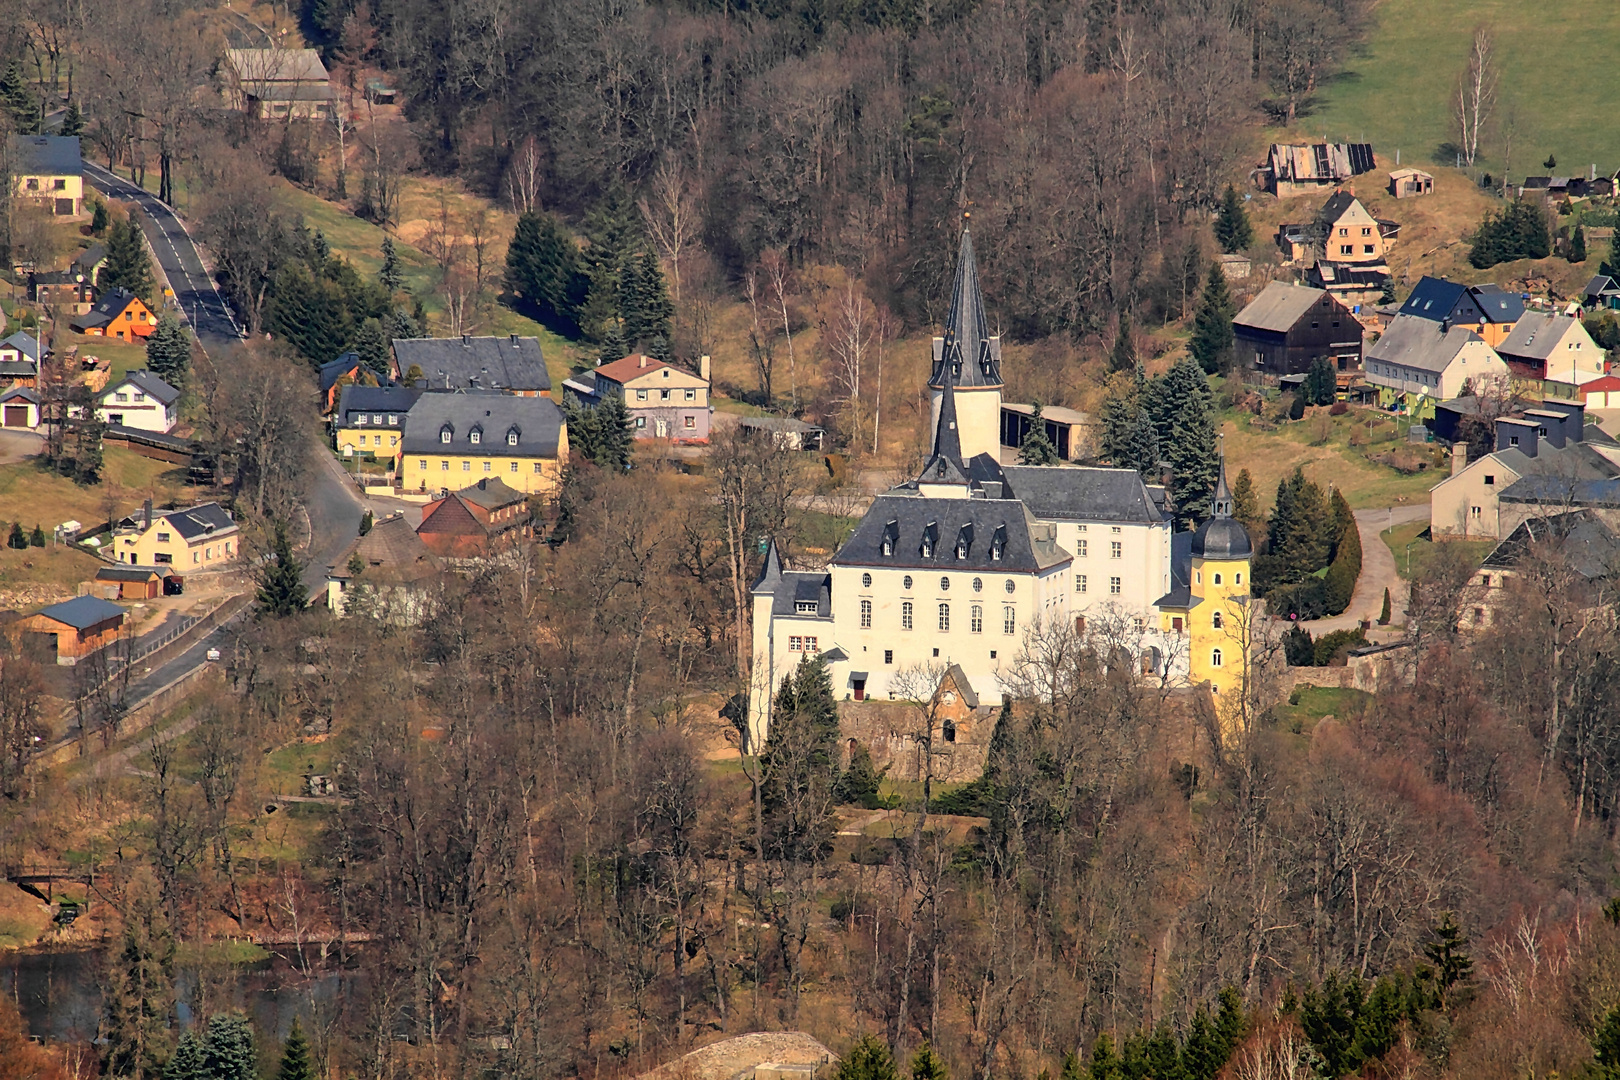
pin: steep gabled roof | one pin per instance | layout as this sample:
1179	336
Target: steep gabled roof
27	344
1536	335
967	350
998	524
449	516
1278	307
1417	343
1066	493
509	363
148	383
107	309
392	554
199	520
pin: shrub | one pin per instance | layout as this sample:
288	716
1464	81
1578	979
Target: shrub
1338	408
1337	645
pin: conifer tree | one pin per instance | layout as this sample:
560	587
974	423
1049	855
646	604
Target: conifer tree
927	1065
613	231
1037	449
18	101
1105	1062
390	275
138	991
88	454
320	251
1321	384
372	344
869	1059
168	351
186	1063
1606	1045
861	783
1129	438
1385	614
99	218
227	1048
1122	357
1189	409
72	120
128	265
800	766
1202	1055
1211	342
543	267
18	540
366	522
37	537
1448	952
1231	1022
1387	296
1232	229
1246	503
281	585
295	1063
653	315
1577	246
400	323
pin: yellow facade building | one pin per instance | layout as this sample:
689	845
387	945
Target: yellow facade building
1215	611
196	538
455	439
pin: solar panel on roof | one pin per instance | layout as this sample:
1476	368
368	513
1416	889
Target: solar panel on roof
1361	158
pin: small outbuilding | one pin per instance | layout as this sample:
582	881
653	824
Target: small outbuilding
19	408
77	627
1409	183
137	582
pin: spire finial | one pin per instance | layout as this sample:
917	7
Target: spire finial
1222	501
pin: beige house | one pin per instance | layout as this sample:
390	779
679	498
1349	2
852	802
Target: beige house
1545	347
1546	460
391	567
664	401
278	84
1349	233
200	537
1418	362
47	169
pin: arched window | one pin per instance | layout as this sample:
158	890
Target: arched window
1217	620
1217	579
905	615
1215	658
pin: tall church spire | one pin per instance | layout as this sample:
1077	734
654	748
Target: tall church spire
946	465
968	351
1221	504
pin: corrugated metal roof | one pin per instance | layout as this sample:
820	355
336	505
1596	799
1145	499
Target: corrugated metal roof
1279	306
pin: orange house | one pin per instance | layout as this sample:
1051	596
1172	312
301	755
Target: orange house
119	314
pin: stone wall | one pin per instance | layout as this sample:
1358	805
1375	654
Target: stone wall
892	732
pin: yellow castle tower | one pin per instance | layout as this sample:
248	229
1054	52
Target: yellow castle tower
1218	616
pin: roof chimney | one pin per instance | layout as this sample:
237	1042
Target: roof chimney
146	512
514	340
703	367
643	359
1459	457
1445	325
466	341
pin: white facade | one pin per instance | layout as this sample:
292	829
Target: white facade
127	404
979	413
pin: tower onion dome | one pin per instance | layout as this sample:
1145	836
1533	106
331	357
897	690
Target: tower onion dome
1221	537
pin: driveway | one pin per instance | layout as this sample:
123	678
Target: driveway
19	444
1377	571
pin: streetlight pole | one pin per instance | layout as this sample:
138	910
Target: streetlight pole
1409	560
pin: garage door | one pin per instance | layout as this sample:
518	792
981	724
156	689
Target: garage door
16	416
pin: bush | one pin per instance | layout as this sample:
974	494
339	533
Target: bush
1338	408
1337	645
1296	407
1520	231
1300	651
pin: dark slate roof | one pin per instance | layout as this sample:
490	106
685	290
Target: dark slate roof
333	370
1180	595
1221	537
125	572
1064	493
1555	490
375	399
83	612
958	677
1498	304
109	307
798	585
492	493
27	344
1581	537
968	349
154	387
1415	342
945	466
770	571
46	155
91	257
907	519
1337	204
537	420
487	363
1600	285
200	519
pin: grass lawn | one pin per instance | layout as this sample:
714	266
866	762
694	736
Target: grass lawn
1552	61
62	566
1308	704
33	494
1271	455
1423	549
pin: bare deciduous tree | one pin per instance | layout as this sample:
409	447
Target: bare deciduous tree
1476	93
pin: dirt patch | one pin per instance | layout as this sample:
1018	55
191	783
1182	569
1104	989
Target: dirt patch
735	1058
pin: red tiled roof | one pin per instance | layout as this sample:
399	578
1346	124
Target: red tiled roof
630	367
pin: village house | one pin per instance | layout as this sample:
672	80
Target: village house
1489	311
390	566
1601	293
76	628
331	376
955	568
1307	168
370	420
278	84
1288	327
1546	460
512	364
1545	347
452	440
1417	363
1410	183
118	314
139	400
201	537
48	170
19	407
664	401
19	359
1580	540
466	524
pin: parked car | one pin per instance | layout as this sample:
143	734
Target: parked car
213	654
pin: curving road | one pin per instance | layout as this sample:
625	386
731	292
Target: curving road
194	288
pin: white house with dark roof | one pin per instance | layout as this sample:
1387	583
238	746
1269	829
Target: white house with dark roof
961	565
1418	362
1544	346
140	400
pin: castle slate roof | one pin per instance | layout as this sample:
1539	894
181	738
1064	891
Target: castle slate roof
537	422
968	350
988	525
1063	493
800	585
509	363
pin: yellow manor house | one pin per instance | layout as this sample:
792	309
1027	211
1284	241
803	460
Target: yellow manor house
455	439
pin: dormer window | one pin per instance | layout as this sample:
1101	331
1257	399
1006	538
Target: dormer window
891	536
393	420
930	539
998	544
512	437
445	433
804	607
360	421
964	541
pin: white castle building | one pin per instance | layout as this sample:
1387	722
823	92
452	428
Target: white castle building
965	563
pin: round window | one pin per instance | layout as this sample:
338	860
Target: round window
906	581
978	584
944	584
1011	585
866	581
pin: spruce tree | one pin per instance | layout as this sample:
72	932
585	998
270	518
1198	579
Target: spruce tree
186	1063
18	540
88	453
1129	438
390	275
400	323
128	265
1387	296
372	344
1202	1055
320	251
927	1065
18	101
1448	952
281	585
311	313
800	766
1211	343
1232	229
543	267
1231	1022
227	1048
99	218
1577	246
168	351
72	120
1606	1045
1385	614
1246	503
869	1059
1122	357
138	991
861	783
366	522
1105	1061
655	314
1037	449
1321	383
37	537
295	1063
1190	448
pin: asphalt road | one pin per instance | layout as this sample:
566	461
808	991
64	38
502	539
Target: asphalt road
193	286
